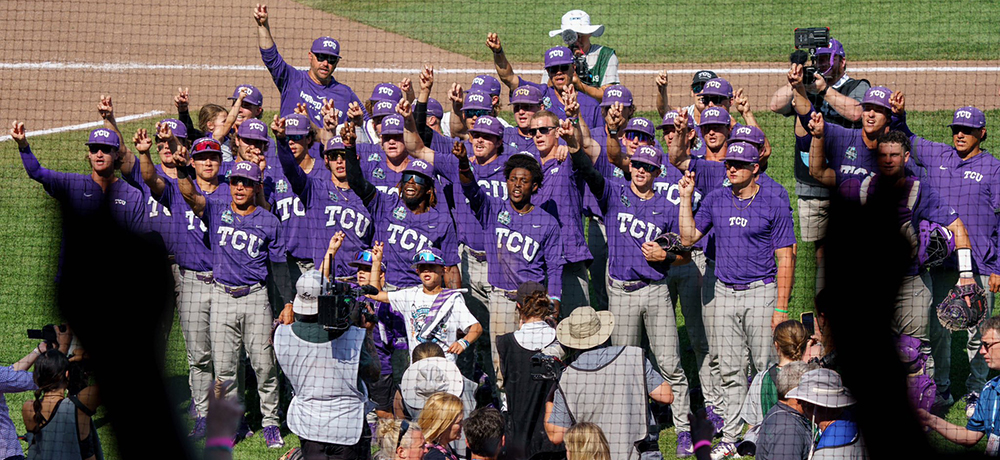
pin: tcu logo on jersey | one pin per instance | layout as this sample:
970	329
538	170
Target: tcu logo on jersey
494	188
615	93
120	202
385	90
713	84
878	93
627	223
239	240
963	114
407	238
292	122
555	53
419	164
391	121
517	243
296	205
743	130
102	133
189	215
384	105
478	81
329	44
712	112
741	221
476	98
973	175
640	122
347	219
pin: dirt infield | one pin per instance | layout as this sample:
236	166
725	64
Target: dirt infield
141	51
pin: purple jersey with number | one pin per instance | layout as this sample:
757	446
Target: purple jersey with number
631	221
747	232
523	247
561	195
489	177
296	87
590	110
189	234
376	169
404	234
242	245
301	225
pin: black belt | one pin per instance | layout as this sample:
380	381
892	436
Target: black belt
744	287
205	277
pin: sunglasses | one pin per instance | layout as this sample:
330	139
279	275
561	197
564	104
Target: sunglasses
209	145
106	149
564	68
526	107
332	155
162	140
473	113
638	137
417	179
988	345
738	164
427	257
297	137
713	99
256	143
645	166
327	58
697	87
404	426
364	256
479	135
248	183
543	130
967	130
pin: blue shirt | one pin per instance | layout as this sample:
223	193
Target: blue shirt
984	419
11	381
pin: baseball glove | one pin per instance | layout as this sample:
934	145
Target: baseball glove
671	242
963	308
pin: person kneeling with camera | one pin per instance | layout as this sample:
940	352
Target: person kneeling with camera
330	370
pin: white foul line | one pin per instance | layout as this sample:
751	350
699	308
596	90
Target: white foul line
133	66
85	125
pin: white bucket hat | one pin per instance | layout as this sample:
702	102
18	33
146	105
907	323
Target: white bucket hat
579	22
429	376
585	328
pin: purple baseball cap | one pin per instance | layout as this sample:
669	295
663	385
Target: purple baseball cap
392	124
420	167
526	94
246	170
102	136
742	151
386	92
969	116
879	96
383	108
486	84
296	124
717	87
744	133
434	108
428	256
254	96
558	55
835	47
616	93
715	116
668	120
649	154
176	126
641	125
488	125
477	100
325	45
334	143
253	129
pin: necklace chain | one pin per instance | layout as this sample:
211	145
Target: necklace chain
753	197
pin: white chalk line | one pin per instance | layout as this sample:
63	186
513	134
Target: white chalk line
95	124
134	66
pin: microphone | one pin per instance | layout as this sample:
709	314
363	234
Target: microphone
569	37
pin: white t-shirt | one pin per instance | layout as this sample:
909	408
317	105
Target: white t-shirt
414	306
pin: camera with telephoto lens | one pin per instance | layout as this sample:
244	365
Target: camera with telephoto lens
570	37
340	307
807	41
47	334
545	367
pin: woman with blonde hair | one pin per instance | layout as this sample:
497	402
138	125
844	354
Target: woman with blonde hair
399	440
441	420
586	441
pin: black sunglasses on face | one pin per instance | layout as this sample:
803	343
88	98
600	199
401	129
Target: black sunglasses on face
417	179
637	136
697	87
333	155
327	57
645	166
564	68
967	130
525	107
297	137
543	130
248	183
713	99
106	149
473	113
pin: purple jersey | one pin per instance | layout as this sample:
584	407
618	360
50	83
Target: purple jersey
300	225
490	178
390	333
189	234
527	246
326	209
513	141
561	195
404	234
747	232
159	218
242	245
630	222
917	201
80	194
375	167
296	87
590	111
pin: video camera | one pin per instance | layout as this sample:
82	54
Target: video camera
47	334
570	37
340	306
545	367
811	39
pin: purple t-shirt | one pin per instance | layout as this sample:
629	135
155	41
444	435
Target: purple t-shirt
590	110
489	177
630	222
561	195
527	246
242	245
189	234
514	142
390	333
404	234
746	233
296	88
376	169
11	381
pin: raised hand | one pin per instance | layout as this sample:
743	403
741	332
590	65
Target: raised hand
181	100
493	42
427	78
406	86
336	241
741	101
301	109
163	131
142	141
354	113
459	151
681	122
570	104
566	130
278	127
106	108
898	102
686	185
260	15
404	108
377	251
795	76
347	135
455	95
661	81
181	156
816	125
17	133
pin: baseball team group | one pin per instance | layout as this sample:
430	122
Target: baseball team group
531	270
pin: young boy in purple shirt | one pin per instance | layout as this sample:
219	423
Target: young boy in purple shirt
753	227
246	240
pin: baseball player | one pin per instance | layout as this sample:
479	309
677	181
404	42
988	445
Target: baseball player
753	228
968	179
457	120
247	243
638	267
311	87
525	102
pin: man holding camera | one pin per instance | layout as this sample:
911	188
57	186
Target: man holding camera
842	107
330	371
597	64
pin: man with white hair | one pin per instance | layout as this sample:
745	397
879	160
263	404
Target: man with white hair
601	61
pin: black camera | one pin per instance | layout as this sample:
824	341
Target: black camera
340	307
545	367
570	37
809	39
47	334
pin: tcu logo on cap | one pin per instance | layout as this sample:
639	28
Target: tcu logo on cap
555	53
639	122
384	104
743	130
714	84
476	97
248	91
478	81
615	93
329	44
385	90
336	139
485	121
102	133
292	122
391	121
521	92
171	124
963	114
243	166
713	112
878	93
647	150
704	75
736	148
419	164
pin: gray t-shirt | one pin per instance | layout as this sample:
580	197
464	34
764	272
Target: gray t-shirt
784	435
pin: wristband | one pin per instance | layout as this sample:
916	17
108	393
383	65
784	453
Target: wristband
221	443
964	261
780	310
557	299
575	121
702	443
612	132
465	343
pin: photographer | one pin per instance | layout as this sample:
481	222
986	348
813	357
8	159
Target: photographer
842	107
330	371
596	65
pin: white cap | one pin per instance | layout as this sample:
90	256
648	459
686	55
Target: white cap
308	288
579	22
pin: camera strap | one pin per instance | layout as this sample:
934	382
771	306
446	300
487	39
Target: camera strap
435	315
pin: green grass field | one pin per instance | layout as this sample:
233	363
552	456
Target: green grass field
707	31
30	233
